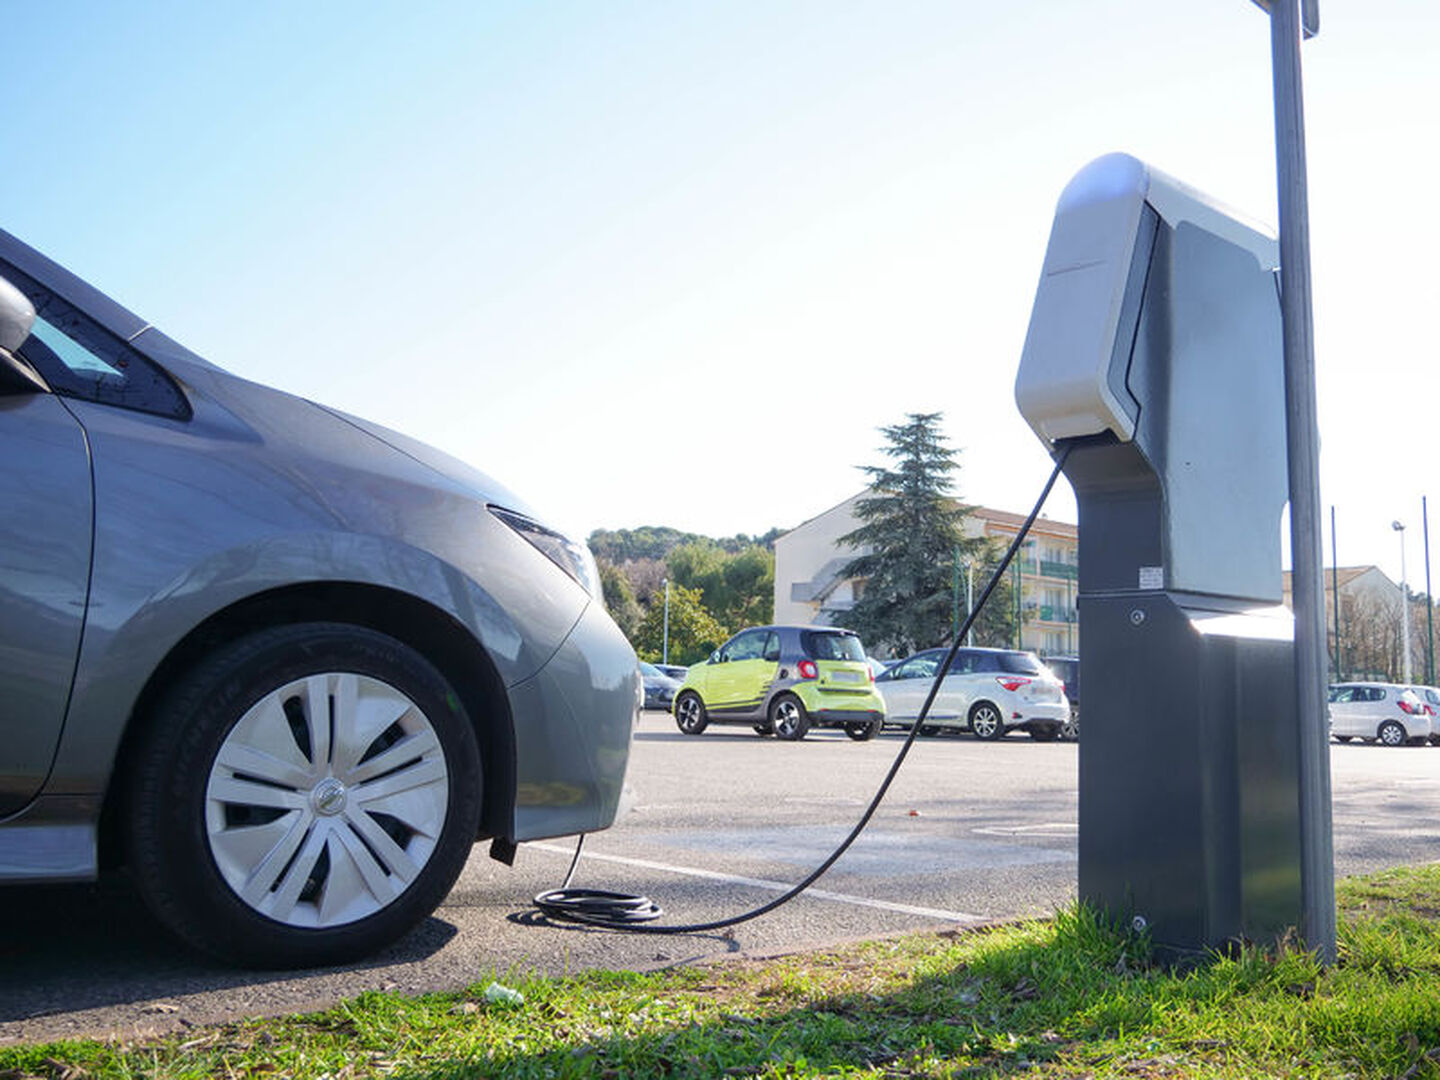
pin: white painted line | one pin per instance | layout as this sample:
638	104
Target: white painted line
1049	828
772	886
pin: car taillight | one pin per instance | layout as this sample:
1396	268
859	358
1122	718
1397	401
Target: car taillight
1407	708
1011	683
807	669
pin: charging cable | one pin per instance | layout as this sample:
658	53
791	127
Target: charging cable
622	911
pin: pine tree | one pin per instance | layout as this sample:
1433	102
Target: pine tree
908	542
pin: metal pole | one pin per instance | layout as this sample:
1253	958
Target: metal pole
1019	609
1335	592
955	598
970	601
665	641
1317	847
1404	608
1429	599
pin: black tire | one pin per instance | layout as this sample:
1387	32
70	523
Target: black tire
763	729
1342	738
863	730
1045	734
690	715
928	731
788	718
1390	733
1070	730
987	722
190	797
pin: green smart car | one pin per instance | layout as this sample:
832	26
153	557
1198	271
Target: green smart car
783	680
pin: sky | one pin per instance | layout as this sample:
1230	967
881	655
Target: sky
677	263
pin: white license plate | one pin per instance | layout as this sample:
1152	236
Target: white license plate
844	676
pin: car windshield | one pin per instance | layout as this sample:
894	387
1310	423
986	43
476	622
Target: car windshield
649	669
830	646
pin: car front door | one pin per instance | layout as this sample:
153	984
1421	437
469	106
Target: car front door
45	540
906	685
744	674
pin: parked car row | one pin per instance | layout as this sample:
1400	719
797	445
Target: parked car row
1387	713
784	680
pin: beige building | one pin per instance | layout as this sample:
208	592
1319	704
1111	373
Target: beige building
810	588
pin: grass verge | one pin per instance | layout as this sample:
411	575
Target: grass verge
1068	997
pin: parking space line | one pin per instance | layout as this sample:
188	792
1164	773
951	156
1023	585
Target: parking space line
772	886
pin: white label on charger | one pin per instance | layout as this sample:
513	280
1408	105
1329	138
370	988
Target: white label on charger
1152	577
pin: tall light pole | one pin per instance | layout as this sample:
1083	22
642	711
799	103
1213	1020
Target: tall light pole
1429	599
665	639
1404	607
969	599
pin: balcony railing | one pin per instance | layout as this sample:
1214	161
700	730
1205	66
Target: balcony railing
1055	568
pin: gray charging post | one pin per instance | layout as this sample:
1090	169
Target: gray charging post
1155	351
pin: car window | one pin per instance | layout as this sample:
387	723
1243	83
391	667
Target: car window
1342	693
649	669
79	358
747	646
1377	693
921	666
822	645
980	662
772	647
1020	663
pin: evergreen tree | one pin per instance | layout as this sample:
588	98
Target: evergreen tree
908	542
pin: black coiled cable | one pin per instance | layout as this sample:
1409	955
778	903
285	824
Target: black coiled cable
621	911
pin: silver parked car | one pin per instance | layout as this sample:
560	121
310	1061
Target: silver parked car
989	692
1378	712
286	665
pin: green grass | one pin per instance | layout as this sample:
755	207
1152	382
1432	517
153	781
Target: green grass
1069	997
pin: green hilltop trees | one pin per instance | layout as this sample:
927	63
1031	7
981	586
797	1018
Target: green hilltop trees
716	587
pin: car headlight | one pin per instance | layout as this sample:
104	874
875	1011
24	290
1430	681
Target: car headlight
572	557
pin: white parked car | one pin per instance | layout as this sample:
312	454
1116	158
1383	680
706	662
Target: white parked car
1430	696
987	691
1378	712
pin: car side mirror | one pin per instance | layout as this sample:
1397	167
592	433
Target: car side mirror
715	657
17	316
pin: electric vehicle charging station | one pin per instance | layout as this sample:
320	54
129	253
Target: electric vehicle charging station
1155	354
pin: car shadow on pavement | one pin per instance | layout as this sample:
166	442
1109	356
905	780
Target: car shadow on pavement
68	948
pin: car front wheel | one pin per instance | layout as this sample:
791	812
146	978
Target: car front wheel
986	722
788	718
303	797
690	715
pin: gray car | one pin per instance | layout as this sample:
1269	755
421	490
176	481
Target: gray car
286	665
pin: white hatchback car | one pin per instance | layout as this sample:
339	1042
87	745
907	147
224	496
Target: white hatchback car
1378	712
987	691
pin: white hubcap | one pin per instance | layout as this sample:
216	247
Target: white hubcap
326	800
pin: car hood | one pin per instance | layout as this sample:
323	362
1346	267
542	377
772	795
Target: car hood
482	485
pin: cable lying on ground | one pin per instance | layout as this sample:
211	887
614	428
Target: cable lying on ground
620	911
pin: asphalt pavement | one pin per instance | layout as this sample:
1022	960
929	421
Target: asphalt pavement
714	825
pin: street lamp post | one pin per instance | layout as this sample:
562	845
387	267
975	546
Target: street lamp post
1429	599
969	599
1404	607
